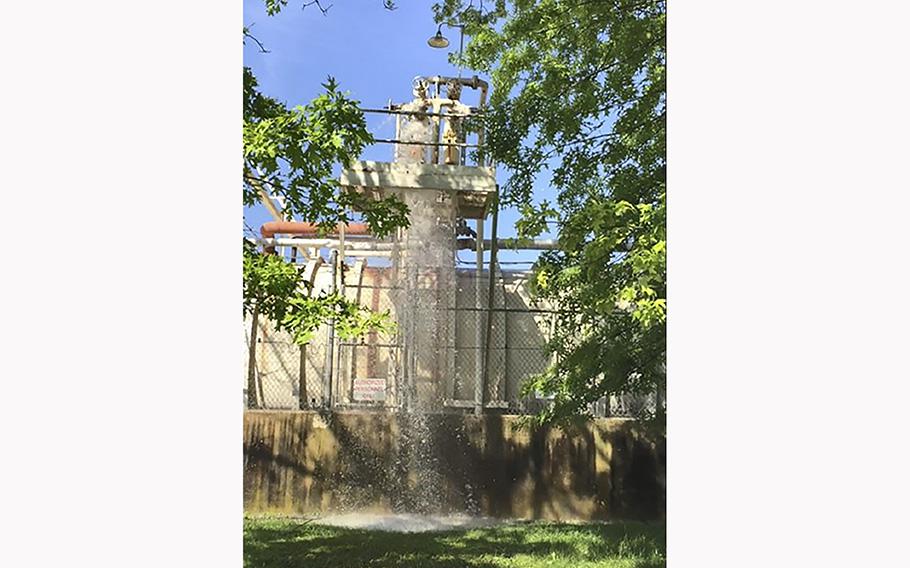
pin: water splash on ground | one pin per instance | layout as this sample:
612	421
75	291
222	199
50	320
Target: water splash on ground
407	522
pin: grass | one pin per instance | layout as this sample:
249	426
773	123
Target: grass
273	542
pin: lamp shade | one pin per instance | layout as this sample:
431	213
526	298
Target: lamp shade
438	41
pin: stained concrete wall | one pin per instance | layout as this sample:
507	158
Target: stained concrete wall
307	463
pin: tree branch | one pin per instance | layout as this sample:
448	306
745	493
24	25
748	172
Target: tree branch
246	33
318	4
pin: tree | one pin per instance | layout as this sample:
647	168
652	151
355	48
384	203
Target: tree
291	152
274	289
272	7
268	285
579	89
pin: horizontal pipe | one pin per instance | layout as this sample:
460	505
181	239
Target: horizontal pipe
461	244
474	82
360	249
359	254
272	228
325	243
474	111
510	244
418	143
361	245
366	253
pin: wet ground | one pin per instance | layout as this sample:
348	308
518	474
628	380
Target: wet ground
407	522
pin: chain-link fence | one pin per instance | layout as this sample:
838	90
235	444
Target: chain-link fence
480	346
367	369
286	375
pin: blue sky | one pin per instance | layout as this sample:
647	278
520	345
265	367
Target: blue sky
373	53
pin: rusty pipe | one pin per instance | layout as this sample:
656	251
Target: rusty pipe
332	243
271	228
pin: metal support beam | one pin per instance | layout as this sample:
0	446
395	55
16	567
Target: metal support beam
351	370
330	343
492	288
309	276
478	330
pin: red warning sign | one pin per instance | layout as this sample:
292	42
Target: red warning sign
369	390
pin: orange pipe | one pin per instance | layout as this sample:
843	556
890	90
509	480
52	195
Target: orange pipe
272	228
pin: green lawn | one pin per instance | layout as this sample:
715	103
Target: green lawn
287	542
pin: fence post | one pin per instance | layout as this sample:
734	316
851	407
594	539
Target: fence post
310	273
504	383
478	330
489	335
330	343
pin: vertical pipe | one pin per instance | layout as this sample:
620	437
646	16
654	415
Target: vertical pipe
504	383
341	253
338	391
451	324
310	271
478	305
397	137
396	297
492	288
437	132
330	343
351	369
480	133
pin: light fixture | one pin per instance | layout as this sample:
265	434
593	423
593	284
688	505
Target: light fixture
438	41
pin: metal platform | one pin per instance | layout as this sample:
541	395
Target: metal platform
473	186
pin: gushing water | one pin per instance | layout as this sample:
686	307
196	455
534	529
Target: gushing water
425	272
423	269
426	281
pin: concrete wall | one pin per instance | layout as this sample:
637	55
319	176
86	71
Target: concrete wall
307	463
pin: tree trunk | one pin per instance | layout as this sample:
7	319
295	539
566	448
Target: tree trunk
301	397
251	391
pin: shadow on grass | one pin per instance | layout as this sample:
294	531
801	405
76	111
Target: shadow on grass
284	543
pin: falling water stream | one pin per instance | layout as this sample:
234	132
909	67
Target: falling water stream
424	272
